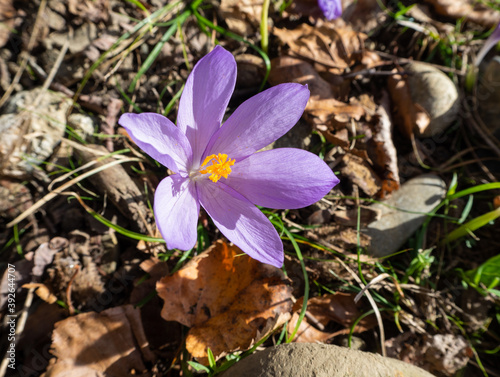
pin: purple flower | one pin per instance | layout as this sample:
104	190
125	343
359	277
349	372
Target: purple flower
331	9
217	166
490	42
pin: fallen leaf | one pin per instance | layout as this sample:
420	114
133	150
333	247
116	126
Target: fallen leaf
408	116
7	22
339	308
384	154
42	291
263	306
219	289
110	343
241	16
337	48
357	170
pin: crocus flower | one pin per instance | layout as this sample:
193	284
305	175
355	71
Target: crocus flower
492	40
331	9
217	166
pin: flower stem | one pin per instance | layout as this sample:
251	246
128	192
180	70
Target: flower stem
264	42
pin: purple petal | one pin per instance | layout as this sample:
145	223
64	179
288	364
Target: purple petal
259	121
492	40
205	97
282	178
331	8
160	138
241	222
176	209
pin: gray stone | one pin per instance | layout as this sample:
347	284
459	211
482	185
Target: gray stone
436	93
83	125
320	360
488	96
419	195
30	133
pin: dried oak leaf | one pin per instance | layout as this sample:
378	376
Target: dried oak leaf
221	289
337	48
110	343
263	306
339	308
241	16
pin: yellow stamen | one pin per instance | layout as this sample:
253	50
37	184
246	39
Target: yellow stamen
220	166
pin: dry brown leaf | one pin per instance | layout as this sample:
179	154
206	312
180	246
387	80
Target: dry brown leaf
219	289
241	16
407	114
91	10
7	15
110	343
337	48
263	306
468	10
42	291
384	154
339	308
360	173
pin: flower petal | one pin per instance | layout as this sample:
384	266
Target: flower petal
176	209
490	42
260	120
284	178
241	222
205	97
331	8
160	138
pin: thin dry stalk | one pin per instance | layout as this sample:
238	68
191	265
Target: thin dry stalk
372	303
57	191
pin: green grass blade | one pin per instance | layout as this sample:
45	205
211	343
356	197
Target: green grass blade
157	49
472	225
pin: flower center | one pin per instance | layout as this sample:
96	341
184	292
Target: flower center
221	166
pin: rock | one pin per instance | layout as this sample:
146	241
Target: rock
82	124
488	96
436	93
320	360
394	227
30	134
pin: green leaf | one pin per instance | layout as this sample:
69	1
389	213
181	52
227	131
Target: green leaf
198	367
472	225
488	273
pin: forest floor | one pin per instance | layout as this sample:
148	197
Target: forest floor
401	258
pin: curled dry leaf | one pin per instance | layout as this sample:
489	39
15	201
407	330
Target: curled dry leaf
384	154
228	299
359	172
42	291
110	343
339	308
241	16
408	115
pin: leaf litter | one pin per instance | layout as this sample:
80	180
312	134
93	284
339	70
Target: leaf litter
78	278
